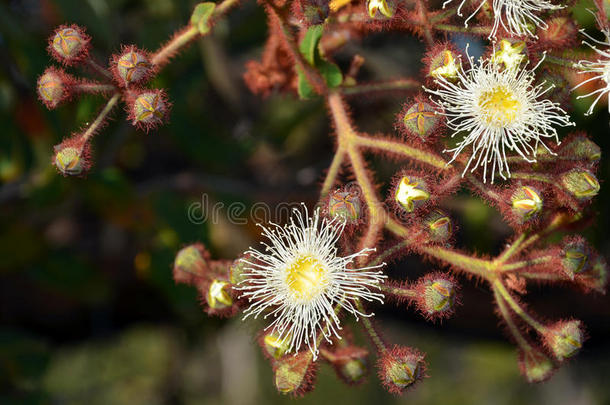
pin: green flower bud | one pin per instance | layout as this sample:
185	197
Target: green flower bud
535	365
345	205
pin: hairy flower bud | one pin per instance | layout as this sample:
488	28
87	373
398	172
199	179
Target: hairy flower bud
72	157
149	109
274	346
316	11
561	31
442	61
294	374
237	269
436	295
438	226
53	87
218	296
574	257
350	363
564	338
510	54
132	66
346	205
580	183
411	192
535	365
69	44
381	6
419	120
400	368
526	203
190	264
581	148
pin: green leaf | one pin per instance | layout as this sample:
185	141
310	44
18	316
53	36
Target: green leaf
329	71
309	44
304	88
201	16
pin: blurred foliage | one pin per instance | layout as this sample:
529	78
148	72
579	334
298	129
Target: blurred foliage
89	311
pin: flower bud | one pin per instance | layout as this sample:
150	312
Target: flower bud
582	148
149	109
510	55
69	44
580	183
350	363
438	225
526	203
535	365
53	87
190	264
564	338
132	66
596	277
273	345
436	295
345	205
442	61
237	269
381	6
420	120
72	157
294	374
411	193
400	368
560	32
316	11
574	257
218	296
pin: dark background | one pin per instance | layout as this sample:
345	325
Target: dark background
89	312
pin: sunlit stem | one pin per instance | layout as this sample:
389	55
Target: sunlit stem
514	330
101	117
506	296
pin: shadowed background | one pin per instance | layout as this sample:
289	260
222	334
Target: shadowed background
89	311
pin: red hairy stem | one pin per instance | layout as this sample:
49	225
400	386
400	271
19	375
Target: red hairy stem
99	69
187	35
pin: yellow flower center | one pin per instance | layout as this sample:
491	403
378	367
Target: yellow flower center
306	278
500	107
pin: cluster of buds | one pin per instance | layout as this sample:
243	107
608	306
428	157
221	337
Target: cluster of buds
212	278
126	78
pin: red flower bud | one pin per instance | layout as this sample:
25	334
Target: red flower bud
436	295
564	338
149	109
132	66
400	368
350	363
295	374
191	264
535	366
54	87
72	157
419	120
69	44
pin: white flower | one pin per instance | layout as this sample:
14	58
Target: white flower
300	278
497	110
600	69
515	16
